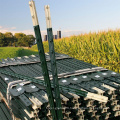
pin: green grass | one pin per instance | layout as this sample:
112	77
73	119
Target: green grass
11	52
27	52
101	49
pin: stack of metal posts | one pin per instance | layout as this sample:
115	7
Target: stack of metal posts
23	91
4	111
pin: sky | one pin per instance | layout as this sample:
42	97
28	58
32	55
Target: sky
72	17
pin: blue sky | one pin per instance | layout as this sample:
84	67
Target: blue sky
70	16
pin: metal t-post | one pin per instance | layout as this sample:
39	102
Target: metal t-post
53	63
42	58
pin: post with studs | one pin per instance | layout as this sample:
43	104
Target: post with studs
53	63
42	58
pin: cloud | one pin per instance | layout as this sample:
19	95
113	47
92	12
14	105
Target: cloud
12	28
65	33
6	29
0	27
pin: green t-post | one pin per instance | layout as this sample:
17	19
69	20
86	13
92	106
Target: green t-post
53	63
42	58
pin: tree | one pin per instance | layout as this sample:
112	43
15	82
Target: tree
2	39
19	35
26	41
19	39
9	39
31	40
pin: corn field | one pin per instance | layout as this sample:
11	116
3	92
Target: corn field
101	49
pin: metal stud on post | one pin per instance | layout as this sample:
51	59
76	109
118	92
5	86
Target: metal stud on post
42	57
53	62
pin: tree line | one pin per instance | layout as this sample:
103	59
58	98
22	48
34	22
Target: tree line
18	39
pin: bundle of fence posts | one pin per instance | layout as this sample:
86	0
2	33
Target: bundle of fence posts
86	91
55	86
4	111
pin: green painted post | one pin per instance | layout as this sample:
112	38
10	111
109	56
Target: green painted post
42	58
53	63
